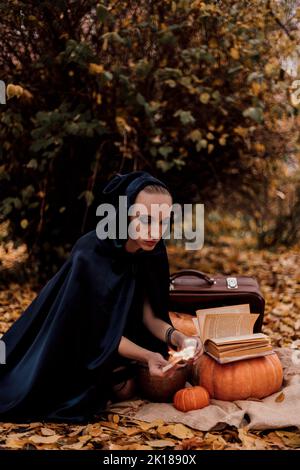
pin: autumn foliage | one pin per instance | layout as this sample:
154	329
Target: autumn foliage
185	89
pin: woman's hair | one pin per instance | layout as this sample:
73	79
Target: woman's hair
156	189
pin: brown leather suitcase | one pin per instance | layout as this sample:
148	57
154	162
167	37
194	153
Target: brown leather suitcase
191	290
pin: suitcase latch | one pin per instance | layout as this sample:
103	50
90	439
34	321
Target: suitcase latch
232	282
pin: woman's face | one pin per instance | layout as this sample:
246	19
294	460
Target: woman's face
150	222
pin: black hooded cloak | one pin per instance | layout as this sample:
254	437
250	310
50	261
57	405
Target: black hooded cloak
61	351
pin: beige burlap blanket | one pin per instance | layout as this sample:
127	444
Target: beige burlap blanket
282	409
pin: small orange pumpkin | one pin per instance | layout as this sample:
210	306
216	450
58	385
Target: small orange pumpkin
191	398
257	377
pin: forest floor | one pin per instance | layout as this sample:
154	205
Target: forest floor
278	273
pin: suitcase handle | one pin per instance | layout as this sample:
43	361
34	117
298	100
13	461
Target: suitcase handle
193	272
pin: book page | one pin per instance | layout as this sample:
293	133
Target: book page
245	351
225	360
241	308
196	324
226	324
238	309
252	338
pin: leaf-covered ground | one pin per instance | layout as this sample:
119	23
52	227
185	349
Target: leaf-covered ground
278	273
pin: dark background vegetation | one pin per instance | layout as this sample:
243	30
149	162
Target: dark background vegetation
190	91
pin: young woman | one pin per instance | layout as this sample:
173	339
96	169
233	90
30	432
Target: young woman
105	309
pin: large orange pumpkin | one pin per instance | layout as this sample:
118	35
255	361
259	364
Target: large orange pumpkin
257	377
191	398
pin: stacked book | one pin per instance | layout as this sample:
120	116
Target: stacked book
226	332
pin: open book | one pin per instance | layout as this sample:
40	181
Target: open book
226	332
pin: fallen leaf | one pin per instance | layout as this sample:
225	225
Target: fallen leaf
280	397
15	443
130	431
189	444
180	431
213	441
129	447
47	432
275	440
77	431
251	441
108	424
44	439
290	439
154	424
161	443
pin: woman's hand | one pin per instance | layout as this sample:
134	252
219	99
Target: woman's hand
156	362
181	341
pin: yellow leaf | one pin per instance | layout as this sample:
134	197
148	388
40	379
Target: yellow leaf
14	443
161	443
204	98
290	439
122	124
164	429
19	90
210	148
234	53
270	69
250	441
130	431
242	131
213	43
116	418
129	447
24	223
280	397
47	432
215	442
13	90
256	88
146	426
222	139
181	431
260	148
44	439
218	82
96	68
108	424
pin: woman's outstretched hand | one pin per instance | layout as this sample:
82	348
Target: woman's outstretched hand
181	341
156	362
